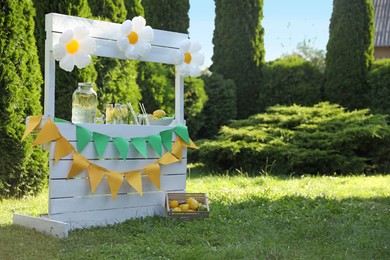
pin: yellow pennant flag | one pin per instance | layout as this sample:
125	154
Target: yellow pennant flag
49	132
153	172
80	163
183	143
177	149
96	174
167	158
33	123
115	180
63	147
135	180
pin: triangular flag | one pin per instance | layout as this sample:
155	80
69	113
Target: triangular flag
96	174
33	123
83	136
59	120
191	145
100	141
155	142
115	180
182	131
63	147
177	149
153	172
140	144
122	145
166	137
49	132
135	180
80	163
167	158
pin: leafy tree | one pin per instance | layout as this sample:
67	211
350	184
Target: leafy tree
349	53
309	53
290	80
220	106
194	99
66	82
116	81
23	169
239	49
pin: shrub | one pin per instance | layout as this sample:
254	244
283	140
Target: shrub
290	80
322	139
379	82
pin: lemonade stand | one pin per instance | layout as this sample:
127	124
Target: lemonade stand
102	174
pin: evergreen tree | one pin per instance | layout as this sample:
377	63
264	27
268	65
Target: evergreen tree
349	53
157	81
23	169
134	8
116	81
239	49
66	82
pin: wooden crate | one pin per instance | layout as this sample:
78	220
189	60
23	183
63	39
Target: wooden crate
181	197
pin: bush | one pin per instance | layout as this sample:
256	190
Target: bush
379	82
220	107
323	139
290	80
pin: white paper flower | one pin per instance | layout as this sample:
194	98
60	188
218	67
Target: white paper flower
74	48
190	58
135	38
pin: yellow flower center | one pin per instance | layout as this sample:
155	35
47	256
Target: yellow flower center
133	37
187	57
72	47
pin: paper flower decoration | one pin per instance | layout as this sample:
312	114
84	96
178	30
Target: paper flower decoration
74	48
135	38
190	58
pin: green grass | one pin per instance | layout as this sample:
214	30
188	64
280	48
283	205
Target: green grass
251	218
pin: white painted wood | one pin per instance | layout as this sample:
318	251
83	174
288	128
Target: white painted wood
61	169
62	188
179	99
90	203
107	217
50	227
49	97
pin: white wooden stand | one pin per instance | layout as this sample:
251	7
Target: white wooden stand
71	202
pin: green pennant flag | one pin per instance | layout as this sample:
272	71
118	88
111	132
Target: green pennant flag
166	137
155	142
182	131
140	144
83	136
59	120
122	145
100	141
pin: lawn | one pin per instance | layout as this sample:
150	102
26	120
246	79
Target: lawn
260	217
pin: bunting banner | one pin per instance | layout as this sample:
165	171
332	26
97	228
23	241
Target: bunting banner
49	132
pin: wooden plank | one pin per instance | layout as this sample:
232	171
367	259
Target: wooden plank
50	227
109	30
62	188
68	130
82	204
111	152
61	169
106	217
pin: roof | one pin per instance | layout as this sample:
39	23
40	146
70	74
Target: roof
382	23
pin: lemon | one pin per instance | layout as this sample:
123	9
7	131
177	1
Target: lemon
173	204
177	209
184	207
159	113
193	203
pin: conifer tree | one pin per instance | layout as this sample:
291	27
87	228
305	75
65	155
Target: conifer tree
239	49
116	81
349	53
66	82
23	169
